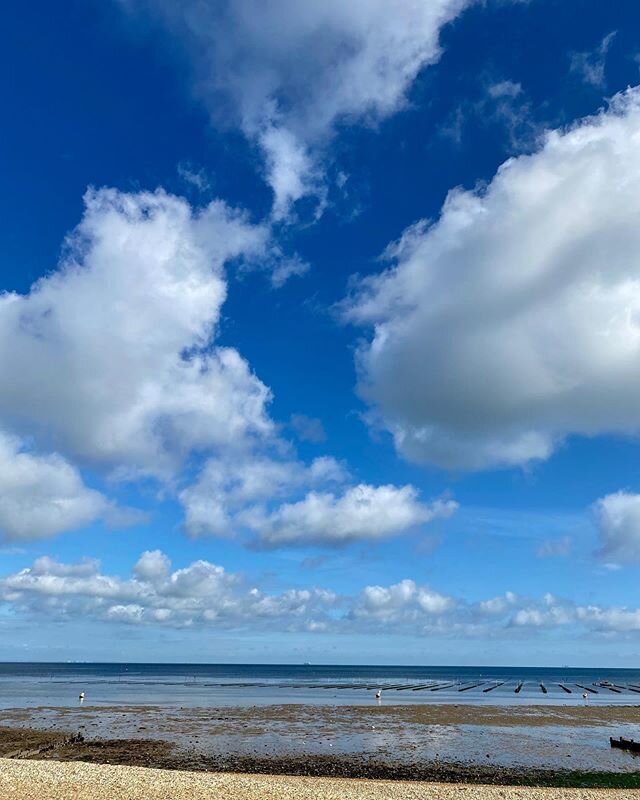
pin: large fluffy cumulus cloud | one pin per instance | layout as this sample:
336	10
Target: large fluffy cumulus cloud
513	321
110	358
286	72
112	362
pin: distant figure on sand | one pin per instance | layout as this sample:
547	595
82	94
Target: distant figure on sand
81	697
585	697
379	694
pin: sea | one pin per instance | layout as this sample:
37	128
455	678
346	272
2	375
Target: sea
30	685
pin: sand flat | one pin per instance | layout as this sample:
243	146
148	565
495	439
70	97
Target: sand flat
427	713
430	742
40	780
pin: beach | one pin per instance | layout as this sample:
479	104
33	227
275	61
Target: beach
508	727
553	746
37	780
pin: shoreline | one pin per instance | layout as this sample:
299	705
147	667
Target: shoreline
531	714
22	744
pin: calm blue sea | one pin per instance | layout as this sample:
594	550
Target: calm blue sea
55	684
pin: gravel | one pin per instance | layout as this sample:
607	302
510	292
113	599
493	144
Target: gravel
40	780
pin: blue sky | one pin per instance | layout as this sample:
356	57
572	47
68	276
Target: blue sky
319	332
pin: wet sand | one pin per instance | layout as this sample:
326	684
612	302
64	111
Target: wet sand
431	714
551	745
35	780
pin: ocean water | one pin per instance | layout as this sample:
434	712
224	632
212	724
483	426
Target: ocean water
30	685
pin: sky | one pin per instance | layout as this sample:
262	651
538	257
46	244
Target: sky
320	332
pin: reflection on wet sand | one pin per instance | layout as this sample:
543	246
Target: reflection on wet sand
551	737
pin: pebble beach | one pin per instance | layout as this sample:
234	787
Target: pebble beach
40	780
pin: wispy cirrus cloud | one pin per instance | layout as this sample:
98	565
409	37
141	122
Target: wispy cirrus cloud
591	65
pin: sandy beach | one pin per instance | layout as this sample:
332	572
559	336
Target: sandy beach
37	780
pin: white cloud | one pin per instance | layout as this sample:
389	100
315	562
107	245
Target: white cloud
49	566
200	594
591	65
205	595
613	619
290	170
245	496
194	177
287	72
124	375
505	108
283	268
226	488
153	565
42	495
118	341
498	605
544	617
402	602
514	320
617	620
362	512
618	521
